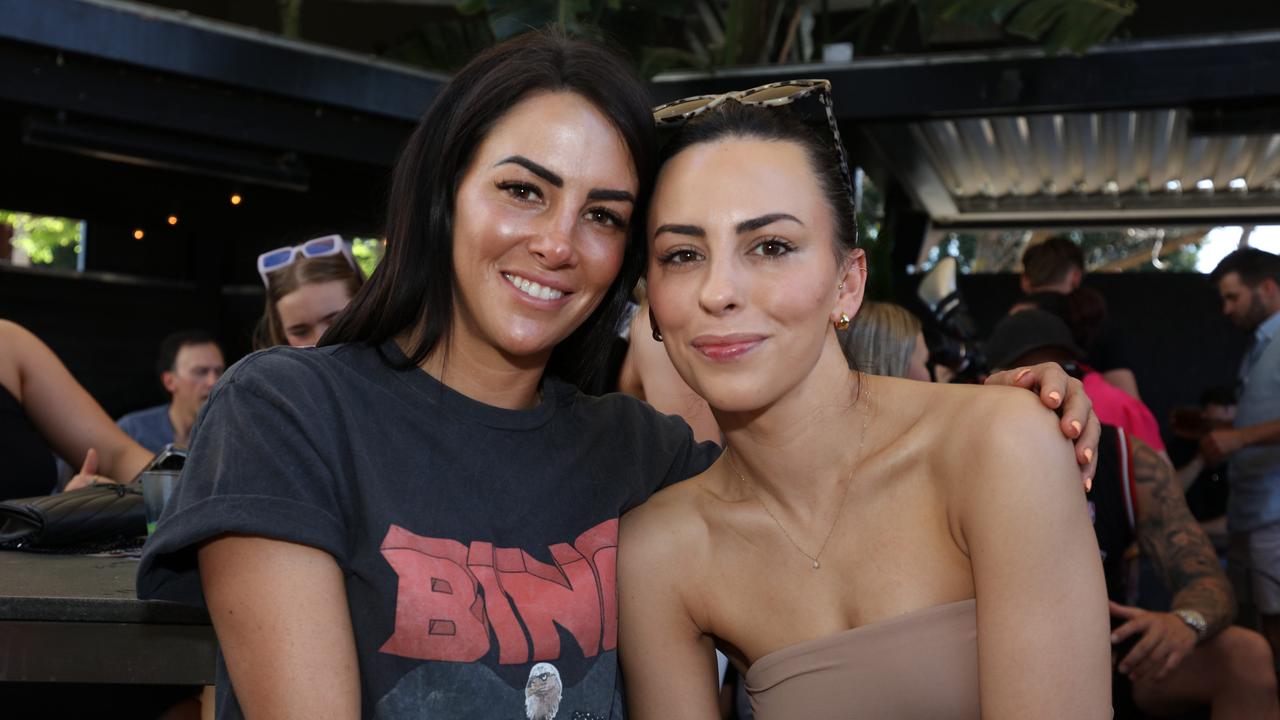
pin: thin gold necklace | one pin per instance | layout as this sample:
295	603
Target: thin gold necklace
844	494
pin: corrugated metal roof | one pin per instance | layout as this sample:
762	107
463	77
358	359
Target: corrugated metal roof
1124	163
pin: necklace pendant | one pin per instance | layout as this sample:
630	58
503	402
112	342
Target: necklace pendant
816	565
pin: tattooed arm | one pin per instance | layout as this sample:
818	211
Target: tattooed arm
1180	550
1172	538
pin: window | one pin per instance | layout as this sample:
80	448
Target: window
28	240
368	252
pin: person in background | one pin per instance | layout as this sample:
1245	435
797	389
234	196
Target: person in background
1248	281
1052	273
189	363
307	286
1205	484
1190	655
886	339
647	373
43	411
1040	336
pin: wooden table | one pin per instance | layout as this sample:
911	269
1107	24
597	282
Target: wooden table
76	619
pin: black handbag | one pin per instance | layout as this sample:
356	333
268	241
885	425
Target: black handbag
94	514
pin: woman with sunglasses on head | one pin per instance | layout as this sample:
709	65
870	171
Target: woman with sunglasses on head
307	285
420	516
865	546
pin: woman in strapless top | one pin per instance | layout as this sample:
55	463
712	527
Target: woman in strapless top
865	546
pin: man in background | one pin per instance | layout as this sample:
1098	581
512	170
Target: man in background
189	363
1248	281
1052	274
1191	655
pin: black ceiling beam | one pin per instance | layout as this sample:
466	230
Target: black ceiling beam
180	44
40	77
1179	72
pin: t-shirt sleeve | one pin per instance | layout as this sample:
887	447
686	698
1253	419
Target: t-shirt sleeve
263	458
686	457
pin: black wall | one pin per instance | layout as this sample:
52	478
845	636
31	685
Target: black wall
1177	339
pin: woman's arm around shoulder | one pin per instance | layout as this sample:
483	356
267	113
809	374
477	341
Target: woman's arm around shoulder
280	613
1043	627
669	664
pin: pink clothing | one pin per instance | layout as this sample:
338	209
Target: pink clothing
1117	407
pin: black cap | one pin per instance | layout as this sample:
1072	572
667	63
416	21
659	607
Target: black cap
1027	331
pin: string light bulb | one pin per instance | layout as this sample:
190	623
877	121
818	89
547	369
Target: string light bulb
138	234
236	199
173	219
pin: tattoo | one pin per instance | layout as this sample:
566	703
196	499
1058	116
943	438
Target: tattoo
1172	538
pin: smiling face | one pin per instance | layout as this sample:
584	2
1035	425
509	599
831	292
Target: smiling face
540	227
743	276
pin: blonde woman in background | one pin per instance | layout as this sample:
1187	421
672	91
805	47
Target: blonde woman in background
307	286
886	339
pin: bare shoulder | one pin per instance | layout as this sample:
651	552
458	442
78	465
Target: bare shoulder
16	338
984	437
987	420
667	530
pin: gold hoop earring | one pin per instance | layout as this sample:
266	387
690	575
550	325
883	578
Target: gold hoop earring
843	322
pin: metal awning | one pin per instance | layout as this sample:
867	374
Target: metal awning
1128	164
1174	129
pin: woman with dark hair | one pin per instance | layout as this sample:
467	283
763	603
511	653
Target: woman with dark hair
377	540
865	545
419	517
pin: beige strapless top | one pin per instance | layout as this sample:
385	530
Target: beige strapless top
920	665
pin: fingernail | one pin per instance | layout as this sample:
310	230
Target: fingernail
1055	396
1115	639
1021	374
1075	425
1088	484
1088	454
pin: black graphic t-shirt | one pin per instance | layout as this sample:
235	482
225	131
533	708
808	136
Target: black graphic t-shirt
478	544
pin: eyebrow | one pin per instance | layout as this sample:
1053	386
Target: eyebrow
756	223
693	230
534	168
551	177
600	194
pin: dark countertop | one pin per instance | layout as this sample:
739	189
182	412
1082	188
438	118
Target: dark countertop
80	588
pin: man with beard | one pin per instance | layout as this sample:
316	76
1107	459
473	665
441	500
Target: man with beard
1248	281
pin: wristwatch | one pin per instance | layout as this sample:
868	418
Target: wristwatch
1195	621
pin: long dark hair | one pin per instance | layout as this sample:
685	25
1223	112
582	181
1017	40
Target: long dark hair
413	287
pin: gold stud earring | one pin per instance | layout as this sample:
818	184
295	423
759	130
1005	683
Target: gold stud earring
843	322
841	287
